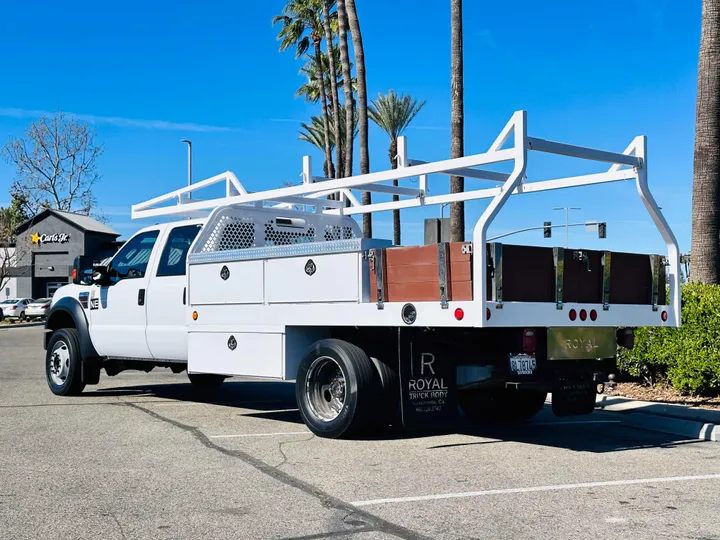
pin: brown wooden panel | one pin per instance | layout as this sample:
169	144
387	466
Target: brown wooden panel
579	284
427	291
528	274
401	256
631	280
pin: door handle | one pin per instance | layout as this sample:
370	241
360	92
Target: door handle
141	297
184	293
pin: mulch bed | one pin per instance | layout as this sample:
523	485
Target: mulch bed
662	394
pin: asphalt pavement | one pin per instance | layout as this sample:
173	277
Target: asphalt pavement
136	457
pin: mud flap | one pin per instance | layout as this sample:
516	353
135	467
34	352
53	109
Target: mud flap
427	380
573	398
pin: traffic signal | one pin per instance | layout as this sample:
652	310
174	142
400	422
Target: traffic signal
602	230
547	229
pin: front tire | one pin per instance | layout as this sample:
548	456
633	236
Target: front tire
335	387
501	405
63	363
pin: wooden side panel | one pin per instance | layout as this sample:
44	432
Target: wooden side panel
528	274
631	280
411	274
582	280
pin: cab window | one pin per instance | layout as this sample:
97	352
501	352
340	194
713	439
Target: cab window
132	260
174	255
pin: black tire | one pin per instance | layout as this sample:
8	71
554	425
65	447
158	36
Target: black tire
205	383
387	403
501	405
63	363
322	410
21	318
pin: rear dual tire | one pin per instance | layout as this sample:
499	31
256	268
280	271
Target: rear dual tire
340	392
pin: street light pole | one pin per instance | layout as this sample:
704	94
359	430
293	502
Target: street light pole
189	163
567	220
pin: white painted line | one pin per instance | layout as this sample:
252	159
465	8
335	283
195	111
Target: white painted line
258	434
558	487
575	422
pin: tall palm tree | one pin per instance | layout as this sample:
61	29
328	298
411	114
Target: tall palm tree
705	264
393	113
311	90
302	24
327	4
314	134
347	86
356	34
457	140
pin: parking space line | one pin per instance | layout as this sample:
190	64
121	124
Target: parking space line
558	487
258	434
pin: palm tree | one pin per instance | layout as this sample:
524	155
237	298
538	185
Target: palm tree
314	134
706	183
311	90
327	4
354	24
393	114
302	23
347	86
457	183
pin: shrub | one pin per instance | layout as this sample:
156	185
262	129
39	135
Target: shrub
688	357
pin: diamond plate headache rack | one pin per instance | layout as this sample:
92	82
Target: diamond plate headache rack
294	250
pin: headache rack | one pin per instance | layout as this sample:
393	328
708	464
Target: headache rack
511	145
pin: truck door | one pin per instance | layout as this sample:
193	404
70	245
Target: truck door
167	297
117	311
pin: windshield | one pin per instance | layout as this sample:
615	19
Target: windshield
41	301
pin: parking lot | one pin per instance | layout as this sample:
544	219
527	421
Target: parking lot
136	457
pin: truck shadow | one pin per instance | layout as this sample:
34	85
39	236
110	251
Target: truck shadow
600	432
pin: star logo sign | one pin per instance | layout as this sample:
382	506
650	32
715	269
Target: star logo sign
35	238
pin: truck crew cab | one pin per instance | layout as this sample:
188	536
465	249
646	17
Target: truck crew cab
280	284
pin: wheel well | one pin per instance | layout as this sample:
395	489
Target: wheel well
59	319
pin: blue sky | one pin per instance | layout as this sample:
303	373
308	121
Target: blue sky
148	74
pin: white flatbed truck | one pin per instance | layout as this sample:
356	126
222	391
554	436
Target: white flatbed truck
280	285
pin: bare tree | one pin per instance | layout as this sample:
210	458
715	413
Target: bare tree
706	183
56	164
457	121
8	250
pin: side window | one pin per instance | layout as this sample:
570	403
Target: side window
132	260
174	255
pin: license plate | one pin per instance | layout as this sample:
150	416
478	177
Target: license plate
522	364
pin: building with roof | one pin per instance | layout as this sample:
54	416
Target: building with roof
46	247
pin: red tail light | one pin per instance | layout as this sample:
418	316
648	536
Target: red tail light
593	315
583	314
459	314
664	316
45	306
487	313
572	314
529	340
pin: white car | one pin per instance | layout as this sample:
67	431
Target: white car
38	308
15	307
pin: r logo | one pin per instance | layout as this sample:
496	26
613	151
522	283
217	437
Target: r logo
225	273
310	267
426	360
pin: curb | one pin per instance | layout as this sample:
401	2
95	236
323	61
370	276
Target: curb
21	325
679	420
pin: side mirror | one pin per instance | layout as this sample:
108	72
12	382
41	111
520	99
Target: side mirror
82	270
101	275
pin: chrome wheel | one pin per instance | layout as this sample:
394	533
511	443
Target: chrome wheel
59	363
325	388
